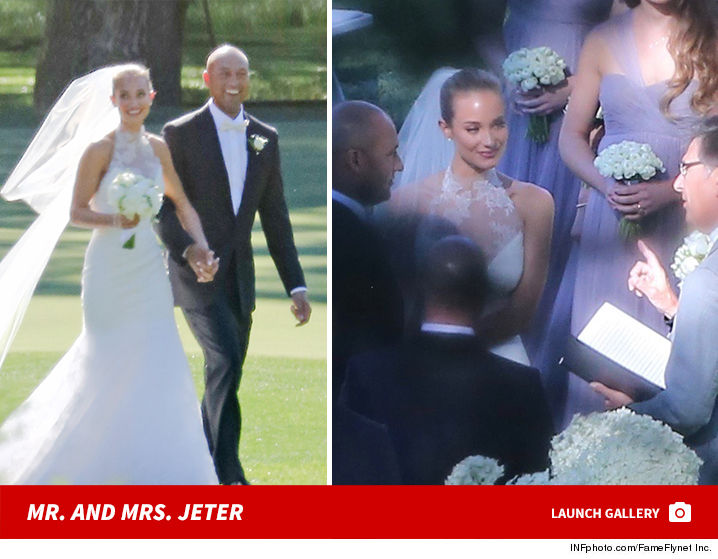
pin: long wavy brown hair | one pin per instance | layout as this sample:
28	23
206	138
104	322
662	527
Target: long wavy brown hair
694	48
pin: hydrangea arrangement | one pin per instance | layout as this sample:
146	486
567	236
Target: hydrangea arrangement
621	447
618	447
530	70
629	162
131	195
690	254
475	470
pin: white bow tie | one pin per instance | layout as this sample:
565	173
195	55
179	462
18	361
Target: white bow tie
231	125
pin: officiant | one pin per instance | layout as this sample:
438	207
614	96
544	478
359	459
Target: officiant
688	404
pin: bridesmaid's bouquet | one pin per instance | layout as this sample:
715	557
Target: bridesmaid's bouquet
530	70
618	447
690	254
629	162
131	195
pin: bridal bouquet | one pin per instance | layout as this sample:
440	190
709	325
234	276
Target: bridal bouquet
532	69
629	162
131	195
618	447
690	254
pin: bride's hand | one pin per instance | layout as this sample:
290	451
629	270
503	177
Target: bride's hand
638	200
203	262
122	222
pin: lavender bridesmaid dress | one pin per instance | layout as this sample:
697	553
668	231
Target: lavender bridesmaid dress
563	26
603	259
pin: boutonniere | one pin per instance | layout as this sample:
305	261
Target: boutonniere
258	142
690	254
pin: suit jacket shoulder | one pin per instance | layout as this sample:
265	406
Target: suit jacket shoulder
183	120
263	127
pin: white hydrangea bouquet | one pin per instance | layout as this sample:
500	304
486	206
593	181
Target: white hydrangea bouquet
130	194
629	162
618	447
475	470
531	70
690	254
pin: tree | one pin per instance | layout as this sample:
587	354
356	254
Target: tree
83	35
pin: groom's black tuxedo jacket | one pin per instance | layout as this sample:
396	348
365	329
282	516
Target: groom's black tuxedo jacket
197	157
444	397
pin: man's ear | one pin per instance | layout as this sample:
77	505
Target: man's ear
354	159
713	181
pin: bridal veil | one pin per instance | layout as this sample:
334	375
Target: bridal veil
44	179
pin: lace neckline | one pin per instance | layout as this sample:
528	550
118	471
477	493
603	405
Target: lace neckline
490	180
455	199
132	147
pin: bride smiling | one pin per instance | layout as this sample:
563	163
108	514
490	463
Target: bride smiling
120	406
510	220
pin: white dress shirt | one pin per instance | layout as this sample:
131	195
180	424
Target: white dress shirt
232	135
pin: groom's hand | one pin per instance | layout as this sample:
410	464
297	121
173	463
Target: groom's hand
650	279
203	262
301	309
612	398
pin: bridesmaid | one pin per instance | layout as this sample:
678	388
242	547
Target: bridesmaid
563	26
654	71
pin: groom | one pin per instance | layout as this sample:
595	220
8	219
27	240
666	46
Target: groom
228	163
688	404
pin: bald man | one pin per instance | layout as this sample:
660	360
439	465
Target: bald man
228	162
366	303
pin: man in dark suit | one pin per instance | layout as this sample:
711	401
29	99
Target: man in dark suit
228	162
366	303
441	394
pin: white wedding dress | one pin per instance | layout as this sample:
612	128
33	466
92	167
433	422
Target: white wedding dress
483	211
120	407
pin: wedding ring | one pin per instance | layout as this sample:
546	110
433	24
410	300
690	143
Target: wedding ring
638	207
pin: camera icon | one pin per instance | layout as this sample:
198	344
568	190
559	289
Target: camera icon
679	512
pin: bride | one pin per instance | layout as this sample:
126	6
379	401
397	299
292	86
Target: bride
120	407
510	220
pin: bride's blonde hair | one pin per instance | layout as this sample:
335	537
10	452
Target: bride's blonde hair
132	69
468	79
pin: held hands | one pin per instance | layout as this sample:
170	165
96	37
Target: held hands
638	200
203	262
301	309
649	278
544	101
612	398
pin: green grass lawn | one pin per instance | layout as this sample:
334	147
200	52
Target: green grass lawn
283	392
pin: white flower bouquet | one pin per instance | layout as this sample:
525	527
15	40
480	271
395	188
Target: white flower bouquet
131	195
629	162
618	447
475	470
531	70
690	254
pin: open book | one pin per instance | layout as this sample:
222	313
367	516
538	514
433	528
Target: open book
617	350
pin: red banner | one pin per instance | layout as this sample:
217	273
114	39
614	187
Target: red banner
538	512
